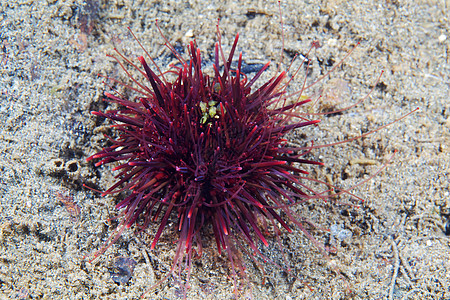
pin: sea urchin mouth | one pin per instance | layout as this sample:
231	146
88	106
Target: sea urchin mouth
210	150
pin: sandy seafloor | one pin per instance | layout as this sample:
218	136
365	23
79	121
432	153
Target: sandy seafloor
51	52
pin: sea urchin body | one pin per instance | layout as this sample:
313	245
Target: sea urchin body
208	150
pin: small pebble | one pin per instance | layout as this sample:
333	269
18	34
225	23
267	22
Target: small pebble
123	270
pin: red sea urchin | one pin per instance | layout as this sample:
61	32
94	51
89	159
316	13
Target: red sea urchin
208	151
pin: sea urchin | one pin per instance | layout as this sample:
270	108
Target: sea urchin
208	150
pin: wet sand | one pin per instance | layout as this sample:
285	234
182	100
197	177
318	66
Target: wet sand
51	53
